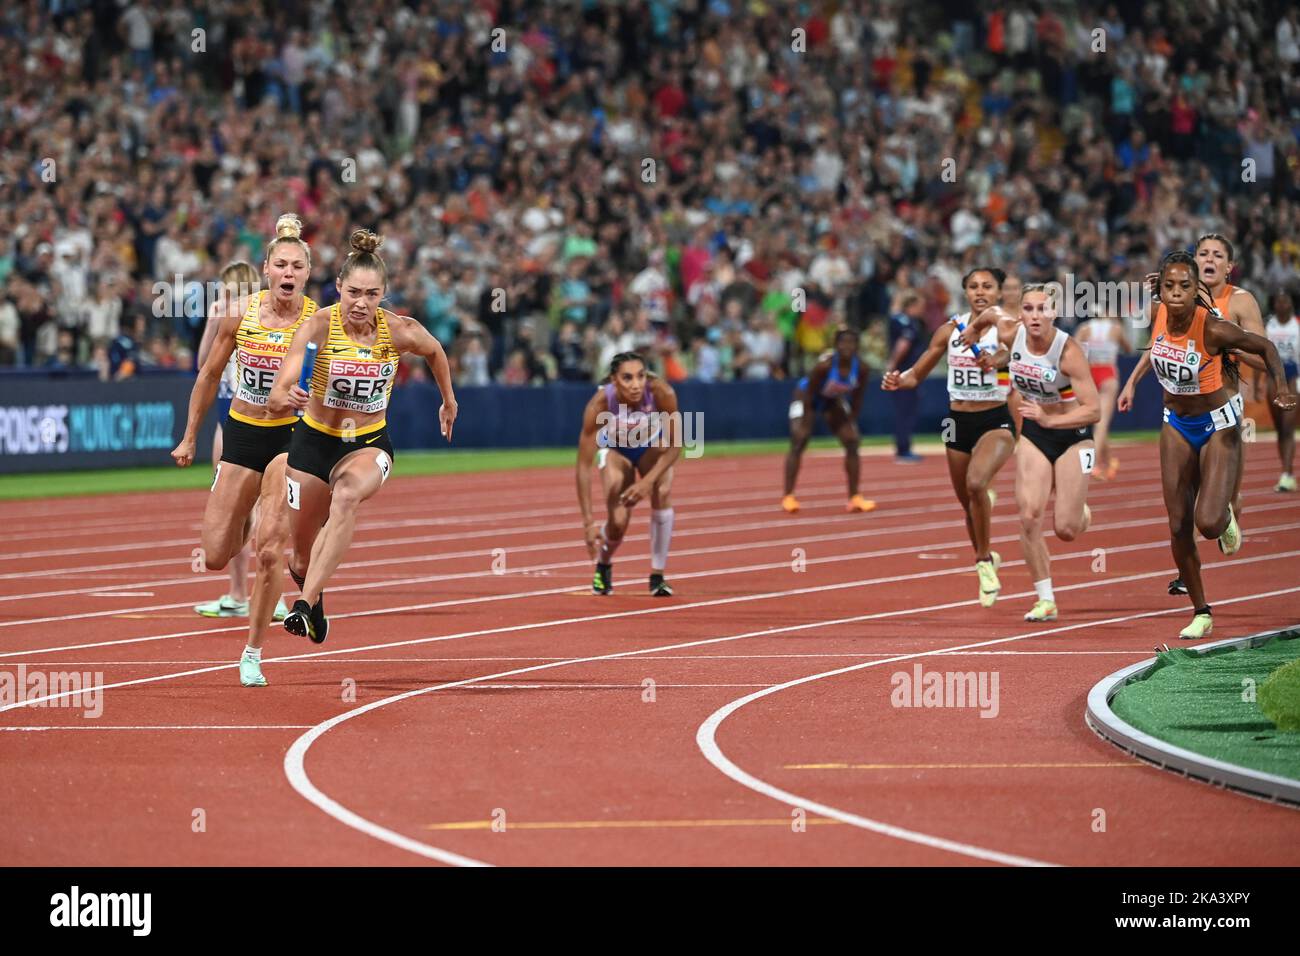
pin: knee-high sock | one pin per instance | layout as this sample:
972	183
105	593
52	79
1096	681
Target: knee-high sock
605	554
661	536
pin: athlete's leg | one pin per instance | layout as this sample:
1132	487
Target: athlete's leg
1069	512
1220	458
1284	422
270	536
308	500
800	431
661	517
227	513
616	476
1239	470
986	460
238	566
1034	479
958	465
846	430
1179	476
355	479
1108	392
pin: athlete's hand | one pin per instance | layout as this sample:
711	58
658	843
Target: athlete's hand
297	397
592	533
634	494
1032	411
969	336
987	360
447	418
895	380
1285	401
184	453
1153	283
1125	401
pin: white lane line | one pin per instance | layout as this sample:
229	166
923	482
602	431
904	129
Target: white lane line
294	760
171	726
661	609
1263	476
564	589
706	735
510	520
113	594
570	588
544	657
195	578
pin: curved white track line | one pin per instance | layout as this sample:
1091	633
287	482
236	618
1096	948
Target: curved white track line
296	772
706	738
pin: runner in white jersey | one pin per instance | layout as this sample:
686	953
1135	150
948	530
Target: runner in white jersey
1060	404
979	433
1102	340
1283	330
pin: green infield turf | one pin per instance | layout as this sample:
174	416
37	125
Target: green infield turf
1215	704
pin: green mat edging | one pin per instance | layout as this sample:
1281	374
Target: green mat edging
1111	726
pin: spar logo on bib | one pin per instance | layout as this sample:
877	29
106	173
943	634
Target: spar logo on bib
1176	367
358	385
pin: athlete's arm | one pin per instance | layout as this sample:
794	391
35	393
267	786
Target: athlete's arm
586	456
285	395
1223	335
855	401
1245	312
1125	400
979	323
1087	405
917	374
205	387
665	403
410	336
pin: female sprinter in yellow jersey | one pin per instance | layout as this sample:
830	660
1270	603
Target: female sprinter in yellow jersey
340	455
1200	443
629	429
1059	405
980	436
258	332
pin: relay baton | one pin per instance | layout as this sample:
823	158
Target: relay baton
304	377
975	349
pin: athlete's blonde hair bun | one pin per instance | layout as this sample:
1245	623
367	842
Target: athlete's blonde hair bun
288	226
363	240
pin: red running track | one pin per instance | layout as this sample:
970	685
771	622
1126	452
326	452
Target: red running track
475	703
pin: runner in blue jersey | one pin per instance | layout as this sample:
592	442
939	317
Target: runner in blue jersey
833	389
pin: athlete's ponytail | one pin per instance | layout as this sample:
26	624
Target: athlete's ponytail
288	229
363	255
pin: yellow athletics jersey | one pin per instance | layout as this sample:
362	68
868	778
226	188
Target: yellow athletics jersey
352	377
258	354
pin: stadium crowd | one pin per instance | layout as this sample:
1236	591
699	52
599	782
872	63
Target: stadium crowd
717	182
